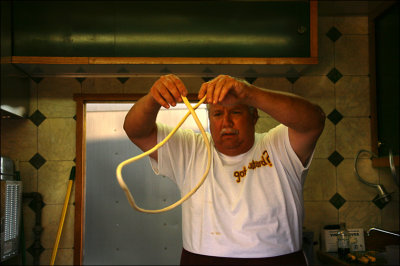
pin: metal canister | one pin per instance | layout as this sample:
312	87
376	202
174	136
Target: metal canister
7	172
11	197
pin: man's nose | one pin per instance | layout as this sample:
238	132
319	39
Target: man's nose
227	121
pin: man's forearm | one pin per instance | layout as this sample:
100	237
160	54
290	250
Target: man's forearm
141	118
291	110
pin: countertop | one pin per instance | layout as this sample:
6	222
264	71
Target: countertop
332	258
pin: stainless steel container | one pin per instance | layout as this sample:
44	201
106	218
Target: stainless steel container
11	198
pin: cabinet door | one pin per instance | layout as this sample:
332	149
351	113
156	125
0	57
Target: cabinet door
385	119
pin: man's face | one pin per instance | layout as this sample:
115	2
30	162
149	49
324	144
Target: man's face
232	128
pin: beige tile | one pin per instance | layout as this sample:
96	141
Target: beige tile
33	97
325	24
317	215
352	135
274	83
361	214
264	124
262	114
144	84
29	219
56	139
139	84
325	57
326	142
387	180
350	187
29	259
55	96
102	85
351	55
352	24
352	96
28	177
321	181
53	181
317	89
192	84
64	256
390	216
18	139
51	215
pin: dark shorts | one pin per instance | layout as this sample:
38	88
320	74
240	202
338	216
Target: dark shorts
296	258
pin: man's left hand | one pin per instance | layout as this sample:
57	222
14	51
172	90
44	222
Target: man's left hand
225	89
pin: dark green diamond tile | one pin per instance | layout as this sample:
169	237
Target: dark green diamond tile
80	80
37	161
36	248
36	204
122	80
334	75
37	118
292	75
292	79
381	203
333	34
208	70
206	79
250	80
165	70
36	73
335	158
122	70
36	79
337	201
335	116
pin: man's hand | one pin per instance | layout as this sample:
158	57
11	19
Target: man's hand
167	90
225	89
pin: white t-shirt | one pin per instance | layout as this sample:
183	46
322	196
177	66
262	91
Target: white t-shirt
249	206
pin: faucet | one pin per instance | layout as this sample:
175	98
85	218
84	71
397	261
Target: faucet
380	230
383	197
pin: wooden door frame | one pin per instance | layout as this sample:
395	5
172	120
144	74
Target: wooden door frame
80	160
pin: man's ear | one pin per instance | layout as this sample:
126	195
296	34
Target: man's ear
255	116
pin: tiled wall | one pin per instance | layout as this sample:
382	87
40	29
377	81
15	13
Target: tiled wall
45	143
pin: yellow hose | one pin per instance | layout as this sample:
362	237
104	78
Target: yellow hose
159	145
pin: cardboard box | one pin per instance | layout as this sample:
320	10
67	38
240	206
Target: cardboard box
329	239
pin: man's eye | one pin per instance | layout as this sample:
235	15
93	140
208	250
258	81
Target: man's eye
217	114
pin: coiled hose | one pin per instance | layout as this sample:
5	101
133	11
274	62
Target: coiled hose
159	145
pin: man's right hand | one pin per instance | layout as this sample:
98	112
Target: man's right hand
167	90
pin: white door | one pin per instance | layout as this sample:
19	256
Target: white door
114	233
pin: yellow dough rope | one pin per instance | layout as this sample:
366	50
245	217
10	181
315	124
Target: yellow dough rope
159	145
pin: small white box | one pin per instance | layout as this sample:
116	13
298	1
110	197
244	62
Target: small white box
357	242
329	239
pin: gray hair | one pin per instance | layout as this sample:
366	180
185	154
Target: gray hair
252	109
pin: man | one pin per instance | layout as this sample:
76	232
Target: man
250	208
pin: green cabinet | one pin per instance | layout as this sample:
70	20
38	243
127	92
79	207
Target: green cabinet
259	29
